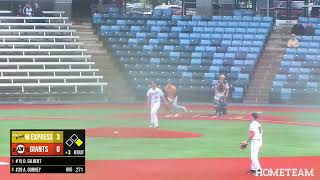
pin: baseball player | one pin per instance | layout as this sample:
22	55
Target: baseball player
220	96
154	96
255	136
173	98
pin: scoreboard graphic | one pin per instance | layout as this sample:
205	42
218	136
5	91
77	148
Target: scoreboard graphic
47	151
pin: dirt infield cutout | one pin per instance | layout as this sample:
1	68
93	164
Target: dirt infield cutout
138	132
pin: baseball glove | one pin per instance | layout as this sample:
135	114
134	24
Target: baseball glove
243	145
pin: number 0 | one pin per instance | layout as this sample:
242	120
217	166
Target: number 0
58	148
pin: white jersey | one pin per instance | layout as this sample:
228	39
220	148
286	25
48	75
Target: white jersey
155	95
257	129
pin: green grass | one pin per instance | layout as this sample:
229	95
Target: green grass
220	138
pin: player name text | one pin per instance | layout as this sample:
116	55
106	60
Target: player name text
28	161
28	169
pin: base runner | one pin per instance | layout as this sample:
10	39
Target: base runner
173	98
154	96
255	136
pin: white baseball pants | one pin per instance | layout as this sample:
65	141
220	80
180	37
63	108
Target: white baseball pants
154	117
255	148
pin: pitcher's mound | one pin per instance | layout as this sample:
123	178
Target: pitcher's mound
138	132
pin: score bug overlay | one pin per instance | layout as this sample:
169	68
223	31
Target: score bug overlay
47	151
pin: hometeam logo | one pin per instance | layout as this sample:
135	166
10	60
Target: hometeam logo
20	149
288	172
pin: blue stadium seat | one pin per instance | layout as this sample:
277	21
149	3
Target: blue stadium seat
217	62
257	44
141	35
263	31
281	77
260	37
257	19
209	30
311	51
237	43
226	37
233	49
184	36
195	61
239	63
294	70
182	68
233	24
286	64
265	25
296	64
192	23
205	42
248	37
195	36
216	36
206	36
235	69
202	23
176	18
184	42
247	43
291	51
200	49
312	87
155	61
135	29
244	49
198	30
227	18
237	18
154	41
168	49
254	25
277	84
210	76
155	29
226	43
229	56
237	94
285	94
306	38
196	18
161	23
222	24
219	30
249	62
212	24
182	23
174	55
241	30
247	18
303	77
243	24
305	71
163	36
210	49
147	48
151	23
216	18
267	19
186	75
230	31
255	50
237	37
252	31
196	55
132	41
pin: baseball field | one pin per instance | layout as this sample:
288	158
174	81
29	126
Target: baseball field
190	146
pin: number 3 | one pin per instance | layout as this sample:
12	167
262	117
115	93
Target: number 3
260	130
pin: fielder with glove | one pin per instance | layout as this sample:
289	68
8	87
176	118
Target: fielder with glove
255	137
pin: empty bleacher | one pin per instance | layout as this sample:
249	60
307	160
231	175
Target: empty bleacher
297	80
189	50
42	57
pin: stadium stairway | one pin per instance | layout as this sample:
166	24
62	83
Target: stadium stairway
118	89
267	68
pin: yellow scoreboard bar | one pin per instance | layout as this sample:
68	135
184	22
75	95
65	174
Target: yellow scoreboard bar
37	137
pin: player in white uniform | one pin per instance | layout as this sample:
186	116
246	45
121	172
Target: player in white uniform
154	96
255	136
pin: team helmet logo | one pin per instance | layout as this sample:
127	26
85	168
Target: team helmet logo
20	149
